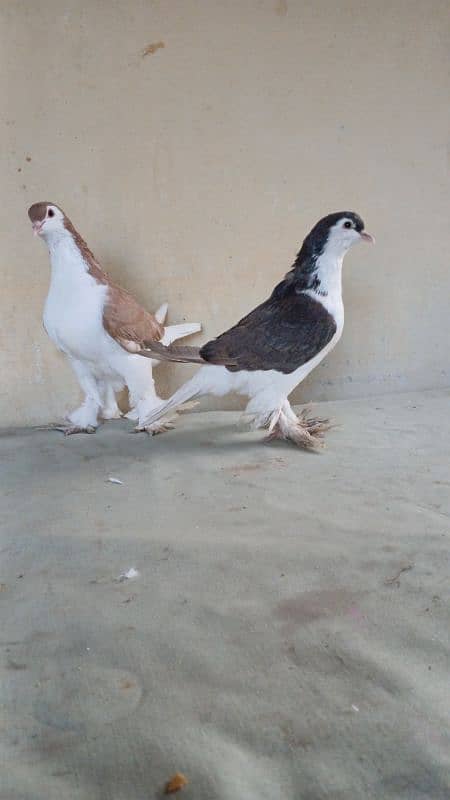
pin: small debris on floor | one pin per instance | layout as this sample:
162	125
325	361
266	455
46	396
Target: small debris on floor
355	708
395	578
176	783
127	684
129	575
150	50
114	480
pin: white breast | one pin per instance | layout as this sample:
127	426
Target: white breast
329	272
73	313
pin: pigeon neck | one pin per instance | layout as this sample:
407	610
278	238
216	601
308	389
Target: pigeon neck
318	273
65	256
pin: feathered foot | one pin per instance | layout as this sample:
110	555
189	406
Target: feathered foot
306	432
111	413
132	414
83	420
165	424
160	426
69	430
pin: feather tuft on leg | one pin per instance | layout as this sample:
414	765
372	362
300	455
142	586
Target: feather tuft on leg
304	431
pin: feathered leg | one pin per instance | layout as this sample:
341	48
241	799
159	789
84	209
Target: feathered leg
109	409
85	418
306	432
142	393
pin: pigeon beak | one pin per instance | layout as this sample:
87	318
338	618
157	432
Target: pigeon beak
367	237
37	226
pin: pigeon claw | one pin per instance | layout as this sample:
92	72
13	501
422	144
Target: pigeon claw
70	430
160	426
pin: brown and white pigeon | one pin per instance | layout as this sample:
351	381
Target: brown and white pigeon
99	327
271	350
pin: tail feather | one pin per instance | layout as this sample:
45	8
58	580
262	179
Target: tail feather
188	391
174	332
161	313
183	355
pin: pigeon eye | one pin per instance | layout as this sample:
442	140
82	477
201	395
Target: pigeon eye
50	213
348	224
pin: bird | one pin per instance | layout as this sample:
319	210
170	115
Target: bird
272	349
99	327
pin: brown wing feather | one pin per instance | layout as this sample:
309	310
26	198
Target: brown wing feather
123	317
127	321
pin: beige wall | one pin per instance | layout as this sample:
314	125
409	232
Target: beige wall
194	172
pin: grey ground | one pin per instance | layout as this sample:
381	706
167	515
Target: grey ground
262	651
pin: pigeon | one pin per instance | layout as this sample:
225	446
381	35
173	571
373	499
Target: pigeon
99	327
271	350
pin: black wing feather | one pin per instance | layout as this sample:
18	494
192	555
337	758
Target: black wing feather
284	332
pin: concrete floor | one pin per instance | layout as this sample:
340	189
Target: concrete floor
271	647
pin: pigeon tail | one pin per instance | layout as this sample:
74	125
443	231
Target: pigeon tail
174	332
180	355
161	313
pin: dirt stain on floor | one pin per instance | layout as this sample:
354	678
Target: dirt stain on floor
315	604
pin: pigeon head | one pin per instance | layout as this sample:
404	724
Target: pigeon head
327	243
335	234
46	219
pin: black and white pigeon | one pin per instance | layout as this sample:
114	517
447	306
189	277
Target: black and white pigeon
99	326
271	350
